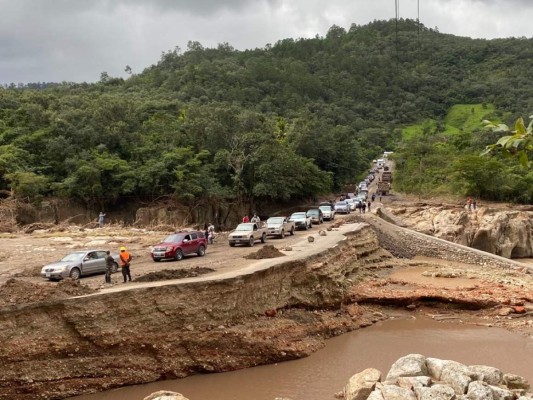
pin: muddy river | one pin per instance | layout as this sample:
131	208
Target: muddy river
324	373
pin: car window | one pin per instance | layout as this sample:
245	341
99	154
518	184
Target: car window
73	257
101	254
194	236
91	255
187	237
173	239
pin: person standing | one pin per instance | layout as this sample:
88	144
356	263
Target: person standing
125	259
245	219
211	233
364	207
369	205
474	204
256	219
101	219
109	263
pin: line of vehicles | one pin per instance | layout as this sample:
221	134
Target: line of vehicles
250	232
180	244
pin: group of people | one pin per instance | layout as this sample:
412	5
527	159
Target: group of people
471	204
362	206
125	260
255	219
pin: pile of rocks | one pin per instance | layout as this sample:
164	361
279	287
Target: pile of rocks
415	377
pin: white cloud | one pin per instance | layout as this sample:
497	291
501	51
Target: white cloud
56	40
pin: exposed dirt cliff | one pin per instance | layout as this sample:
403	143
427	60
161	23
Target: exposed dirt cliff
64	347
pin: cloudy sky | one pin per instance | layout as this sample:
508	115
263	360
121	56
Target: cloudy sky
76	40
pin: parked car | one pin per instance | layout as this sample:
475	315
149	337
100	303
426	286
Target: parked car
247	233
328	211
78	264
316	215
279	226
362	196
180	244
351	203
342	207
301	220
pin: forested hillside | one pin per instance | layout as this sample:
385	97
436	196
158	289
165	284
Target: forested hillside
287	121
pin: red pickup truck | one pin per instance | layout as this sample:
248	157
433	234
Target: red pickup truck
180	244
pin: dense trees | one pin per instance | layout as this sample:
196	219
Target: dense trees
291	120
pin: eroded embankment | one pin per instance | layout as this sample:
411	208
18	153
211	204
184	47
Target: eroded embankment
65	347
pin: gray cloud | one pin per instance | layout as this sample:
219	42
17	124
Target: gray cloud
73	40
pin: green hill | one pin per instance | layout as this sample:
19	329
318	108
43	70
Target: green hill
287	121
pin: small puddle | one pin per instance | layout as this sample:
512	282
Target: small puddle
427	275
325	372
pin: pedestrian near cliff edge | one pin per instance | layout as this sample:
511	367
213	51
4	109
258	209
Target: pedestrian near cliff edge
109	262
125	259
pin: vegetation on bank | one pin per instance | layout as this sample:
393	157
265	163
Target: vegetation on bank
287	121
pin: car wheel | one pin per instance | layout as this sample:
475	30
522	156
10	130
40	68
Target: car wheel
282	233
178	255
75	273
114	268
292	231
201	251
263	238
232	244
251	242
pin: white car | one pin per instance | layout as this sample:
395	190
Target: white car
351	203
301	220
279	226
328	212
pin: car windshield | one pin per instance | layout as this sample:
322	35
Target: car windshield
312	212
245	227
174	238
73	257
325	208
299	215
341	203
349	200
275	220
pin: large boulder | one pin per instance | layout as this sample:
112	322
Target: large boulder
435	392
513	381
165	395
409	365
392	392
490	375
456	375
479	391
362	384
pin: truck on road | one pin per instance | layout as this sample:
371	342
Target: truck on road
383	188
248	233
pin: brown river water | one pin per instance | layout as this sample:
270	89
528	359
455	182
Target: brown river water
325	372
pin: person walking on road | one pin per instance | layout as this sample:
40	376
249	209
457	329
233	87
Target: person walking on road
369	205
109	262
364	207
125	259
